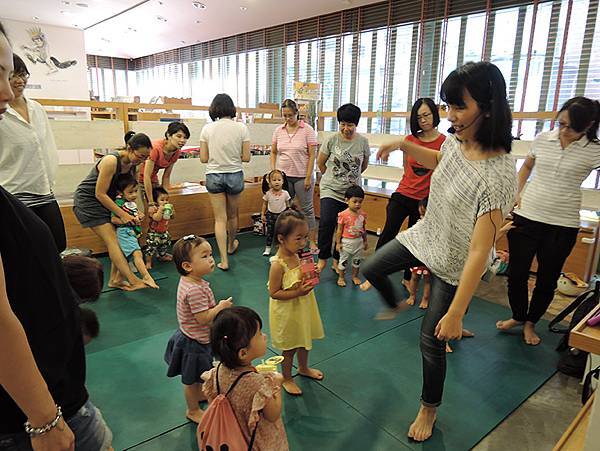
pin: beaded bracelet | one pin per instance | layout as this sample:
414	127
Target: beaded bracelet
35	432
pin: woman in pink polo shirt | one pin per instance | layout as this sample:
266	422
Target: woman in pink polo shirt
293	152
164	154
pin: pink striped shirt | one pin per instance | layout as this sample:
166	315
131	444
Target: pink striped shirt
194	297
292	150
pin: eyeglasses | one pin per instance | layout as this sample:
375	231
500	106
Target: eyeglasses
564	126
423	116
23	76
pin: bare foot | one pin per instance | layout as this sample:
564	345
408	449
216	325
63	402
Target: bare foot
422	427
148	280
234	247
341	282
334	266
222	266
366	285
424	304
149	265
356	281
291	388
390	313
119	284
410	300
136	286
467	333
321	265
448	348
531	338
312	373
194	415
507	324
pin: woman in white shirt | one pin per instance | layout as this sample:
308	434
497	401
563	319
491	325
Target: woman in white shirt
28	155
224	145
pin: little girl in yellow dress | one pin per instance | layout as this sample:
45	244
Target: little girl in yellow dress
293	312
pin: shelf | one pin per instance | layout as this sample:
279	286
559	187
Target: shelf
585	337
574	437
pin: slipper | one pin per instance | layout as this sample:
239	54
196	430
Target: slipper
236	244
311	377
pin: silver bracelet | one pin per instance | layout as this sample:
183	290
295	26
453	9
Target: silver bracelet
35	432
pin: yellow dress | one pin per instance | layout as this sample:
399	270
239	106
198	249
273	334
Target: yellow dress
296	322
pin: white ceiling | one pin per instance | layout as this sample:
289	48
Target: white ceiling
135	29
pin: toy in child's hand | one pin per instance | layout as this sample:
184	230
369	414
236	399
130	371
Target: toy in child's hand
594	320
308	267
168	211
269	365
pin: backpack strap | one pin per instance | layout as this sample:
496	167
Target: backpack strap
571	307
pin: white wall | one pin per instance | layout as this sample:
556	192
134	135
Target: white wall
64	44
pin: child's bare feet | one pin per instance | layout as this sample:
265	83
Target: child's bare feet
194	415
148	280
424	304
311	373
356	281
291	388
341	282
507	324
366	285
411	300
531	338
448	348
422	427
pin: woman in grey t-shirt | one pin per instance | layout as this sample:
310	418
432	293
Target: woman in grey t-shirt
342	159
472	189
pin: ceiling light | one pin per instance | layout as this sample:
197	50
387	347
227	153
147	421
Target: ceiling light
66	3
105	40
82	5
183	42
198	21
133	30
36	18
199	5
161	18
243	8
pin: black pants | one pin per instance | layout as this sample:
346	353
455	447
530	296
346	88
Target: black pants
271	219
398	208
551	245
50	214
327	225
394	257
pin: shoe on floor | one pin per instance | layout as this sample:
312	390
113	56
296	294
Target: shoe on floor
267	251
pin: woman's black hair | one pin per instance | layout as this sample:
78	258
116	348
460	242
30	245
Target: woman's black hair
125	180
221	106
486	85
415	128
19	65
232	330
267	177
90	325
348	113
287	222
157	191
354	191
583	113
136	141
289	103
175	127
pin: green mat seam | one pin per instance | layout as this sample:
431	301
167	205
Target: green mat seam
158	435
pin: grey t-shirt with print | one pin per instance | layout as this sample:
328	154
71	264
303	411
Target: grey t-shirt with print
343	165
461	191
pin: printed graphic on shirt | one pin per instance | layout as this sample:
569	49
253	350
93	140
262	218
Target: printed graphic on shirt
345	168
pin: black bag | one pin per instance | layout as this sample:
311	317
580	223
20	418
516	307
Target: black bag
587	384
572	361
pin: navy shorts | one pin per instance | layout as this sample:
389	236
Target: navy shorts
225	182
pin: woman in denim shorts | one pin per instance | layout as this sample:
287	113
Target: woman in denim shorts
224	145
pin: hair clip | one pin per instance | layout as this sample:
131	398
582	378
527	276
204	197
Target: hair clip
189	237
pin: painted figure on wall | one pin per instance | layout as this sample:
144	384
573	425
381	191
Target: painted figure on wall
39	52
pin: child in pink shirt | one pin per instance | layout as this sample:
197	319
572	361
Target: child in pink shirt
351	237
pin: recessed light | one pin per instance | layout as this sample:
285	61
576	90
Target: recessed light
183	42
243	8
198	21
66	3
161	18
105	40
82	5
75	25
199	5
36	18
133	30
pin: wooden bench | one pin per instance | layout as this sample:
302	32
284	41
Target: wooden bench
193	215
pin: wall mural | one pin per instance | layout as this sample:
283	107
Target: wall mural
39	52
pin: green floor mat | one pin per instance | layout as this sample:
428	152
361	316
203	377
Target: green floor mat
318	420
487	378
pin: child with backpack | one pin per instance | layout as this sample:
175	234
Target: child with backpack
245	406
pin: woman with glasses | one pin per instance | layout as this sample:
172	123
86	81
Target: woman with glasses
293	151
94	202
414	185
546	219
28	155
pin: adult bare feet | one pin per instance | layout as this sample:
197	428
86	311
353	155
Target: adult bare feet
390	313
466	333
424	304
194	415
531	338
291	388
366	285
422	427
223	266
233	247
411	300
136	286
341	282
321	264
356	281
312	373
118	284
507	324
448	348
148	280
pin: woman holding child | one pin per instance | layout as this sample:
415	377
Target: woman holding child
473	188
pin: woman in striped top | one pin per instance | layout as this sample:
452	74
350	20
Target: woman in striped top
546	220
28	155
